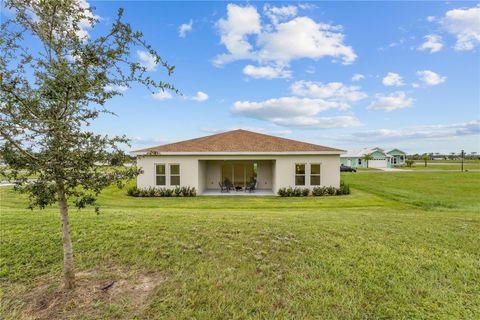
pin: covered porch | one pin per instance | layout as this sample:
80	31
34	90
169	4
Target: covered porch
239	174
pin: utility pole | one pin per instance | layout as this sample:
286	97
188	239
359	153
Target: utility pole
463	156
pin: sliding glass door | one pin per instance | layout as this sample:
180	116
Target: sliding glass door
239	173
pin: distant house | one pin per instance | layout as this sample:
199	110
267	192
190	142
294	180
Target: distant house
240	157
398	157
381	159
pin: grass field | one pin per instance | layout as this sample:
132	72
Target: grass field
402	245
445	166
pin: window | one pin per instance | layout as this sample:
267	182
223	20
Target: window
160	177
174	174
300	174
359	162
315	174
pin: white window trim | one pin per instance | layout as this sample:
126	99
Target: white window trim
304	175
170	175
155	174
315	174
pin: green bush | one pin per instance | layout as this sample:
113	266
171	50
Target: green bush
293	192
162	192
133	191
319	191
178	191
344	189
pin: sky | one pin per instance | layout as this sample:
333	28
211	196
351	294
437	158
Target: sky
342	74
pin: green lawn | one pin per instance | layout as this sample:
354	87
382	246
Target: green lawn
446	166
402	246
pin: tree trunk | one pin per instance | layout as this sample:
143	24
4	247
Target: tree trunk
68	271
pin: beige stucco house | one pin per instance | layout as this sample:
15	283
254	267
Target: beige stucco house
239	156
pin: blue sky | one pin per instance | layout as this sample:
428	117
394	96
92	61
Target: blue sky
341	74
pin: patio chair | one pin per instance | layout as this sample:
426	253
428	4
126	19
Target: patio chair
223	188
251	186
228	185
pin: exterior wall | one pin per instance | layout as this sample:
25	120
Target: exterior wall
399	157
329	170
273	172
188	170
351	162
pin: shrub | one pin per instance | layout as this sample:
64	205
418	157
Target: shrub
282	192
409	163
133	191
293	192
178	191
318	191
297	192
331	191
344	188
162	192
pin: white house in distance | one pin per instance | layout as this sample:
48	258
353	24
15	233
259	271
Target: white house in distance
239	156
381	159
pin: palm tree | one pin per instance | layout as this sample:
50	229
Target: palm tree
425	158
367	157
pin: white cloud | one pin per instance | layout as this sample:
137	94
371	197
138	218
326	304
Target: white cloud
303	38
293	111
267	72
115	87
430	78
333	91
200	96
240	22
162	95
432	42
421	132
277	14
464	24
430	18
393	101
300	37
392	79
319	122
184	29
147	60
358	77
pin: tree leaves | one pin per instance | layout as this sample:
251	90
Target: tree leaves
50	96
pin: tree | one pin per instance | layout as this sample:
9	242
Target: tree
409	163
425	158
49	97
367	157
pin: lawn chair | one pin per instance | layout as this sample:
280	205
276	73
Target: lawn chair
228	185
251	186
223	188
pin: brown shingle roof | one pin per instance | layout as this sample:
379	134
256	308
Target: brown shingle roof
239	141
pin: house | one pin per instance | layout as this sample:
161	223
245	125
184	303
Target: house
381	159
354	158
239	156
398	157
